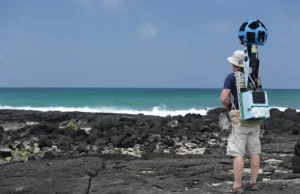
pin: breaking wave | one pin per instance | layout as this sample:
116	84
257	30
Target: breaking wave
156	111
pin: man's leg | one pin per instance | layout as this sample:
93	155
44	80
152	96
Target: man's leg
254	148
236	148
254	164
238	168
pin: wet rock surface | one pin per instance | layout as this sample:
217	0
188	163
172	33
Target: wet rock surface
74	152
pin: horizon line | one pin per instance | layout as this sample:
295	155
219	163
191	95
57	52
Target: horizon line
127	87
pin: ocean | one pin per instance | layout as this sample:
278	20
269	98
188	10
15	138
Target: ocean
150	101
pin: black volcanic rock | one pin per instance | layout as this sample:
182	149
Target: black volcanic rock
74	152
291	114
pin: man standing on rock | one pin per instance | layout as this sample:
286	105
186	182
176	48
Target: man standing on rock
243	137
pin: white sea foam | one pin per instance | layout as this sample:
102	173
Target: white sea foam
156	111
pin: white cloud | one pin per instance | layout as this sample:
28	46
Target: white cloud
113	4
84	3
104	4
148	30
219	26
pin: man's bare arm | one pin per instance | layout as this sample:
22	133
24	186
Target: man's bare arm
224	97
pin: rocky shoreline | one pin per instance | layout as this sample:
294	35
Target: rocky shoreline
75	152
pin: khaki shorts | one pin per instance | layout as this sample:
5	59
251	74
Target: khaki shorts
242	139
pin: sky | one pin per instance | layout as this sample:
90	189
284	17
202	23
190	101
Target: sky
142	43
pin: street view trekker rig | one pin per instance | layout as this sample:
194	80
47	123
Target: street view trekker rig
253	100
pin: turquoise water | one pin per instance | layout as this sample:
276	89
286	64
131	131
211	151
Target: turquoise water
155	101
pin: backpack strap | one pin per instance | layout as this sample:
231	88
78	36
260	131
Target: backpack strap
233	107
232	102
